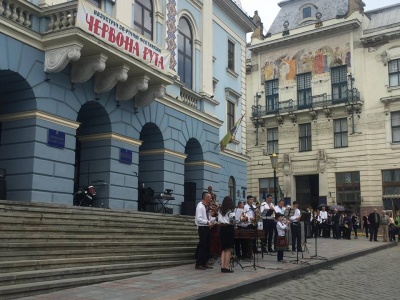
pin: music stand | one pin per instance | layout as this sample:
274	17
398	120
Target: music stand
297	260
316	256
252	233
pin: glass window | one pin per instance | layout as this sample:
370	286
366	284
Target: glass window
395	121
272	95
340	132
185	52
306	12
304	90
348	190
272	140
230	116
394	72
267	187
231	186
305	137
339	84
143	18
231	56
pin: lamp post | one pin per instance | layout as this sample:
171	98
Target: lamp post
274	162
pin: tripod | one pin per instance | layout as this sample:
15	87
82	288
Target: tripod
316	251
298	233
253	234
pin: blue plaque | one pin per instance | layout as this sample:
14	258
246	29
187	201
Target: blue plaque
125	156
56	139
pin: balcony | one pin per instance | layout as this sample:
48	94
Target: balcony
95	44
317	102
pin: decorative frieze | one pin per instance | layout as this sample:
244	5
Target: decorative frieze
106	80
84	69
128	89
57	59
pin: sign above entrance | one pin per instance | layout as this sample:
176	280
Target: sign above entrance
94	21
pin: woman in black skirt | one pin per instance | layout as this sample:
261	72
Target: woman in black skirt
226	232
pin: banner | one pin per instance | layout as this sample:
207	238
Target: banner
94	21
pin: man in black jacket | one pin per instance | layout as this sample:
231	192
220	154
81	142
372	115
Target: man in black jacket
374	219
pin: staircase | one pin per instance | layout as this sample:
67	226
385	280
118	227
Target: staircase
47	247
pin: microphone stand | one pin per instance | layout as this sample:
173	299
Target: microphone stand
316	256
297	261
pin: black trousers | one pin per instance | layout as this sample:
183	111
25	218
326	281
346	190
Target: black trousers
269	229
296	236
373	232
203	248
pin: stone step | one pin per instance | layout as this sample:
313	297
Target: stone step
15	278
37	264
106	220
29	289
90	212
117	251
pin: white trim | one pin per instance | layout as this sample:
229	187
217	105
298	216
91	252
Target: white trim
163	152
109	136
39	115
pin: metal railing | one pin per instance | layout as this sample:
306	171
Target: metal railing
317	101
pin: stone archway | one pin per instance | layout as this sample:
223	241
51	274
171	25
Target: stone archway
92	151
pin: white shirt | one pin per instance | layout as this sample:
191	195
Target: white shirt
281	227
201	218
324	215
296	217
249	212
280	210
265	206
238	216
225	219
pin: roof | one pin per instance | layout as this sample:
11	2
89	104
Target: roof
384	17
292	11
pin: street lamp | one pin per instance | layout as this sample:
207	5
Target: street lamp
274	163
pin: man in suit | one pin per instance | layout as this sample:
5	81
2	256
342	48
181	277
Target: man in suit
335	224
374	220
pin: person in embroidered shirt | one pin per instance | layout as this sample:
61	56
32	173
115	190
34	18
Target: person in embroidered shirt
281	227
202	220
295	228
226	219
269	225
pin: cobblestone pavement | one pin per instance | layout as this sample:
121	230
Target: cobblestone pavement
374	276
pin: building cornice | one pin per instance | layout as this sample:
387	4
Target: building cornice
163	152
235	155
313	34
203	163
234	12
170	101
110	136
39	115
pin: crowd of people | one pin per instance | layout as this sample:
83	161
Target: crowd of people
276	221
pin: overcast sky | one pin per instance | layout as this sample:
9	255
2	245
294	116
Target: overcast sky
268	12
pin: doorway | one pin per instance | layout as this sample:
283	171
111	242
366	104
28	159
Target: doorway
307	191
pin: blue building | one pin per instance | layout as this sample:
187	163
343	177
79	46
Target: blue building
132	97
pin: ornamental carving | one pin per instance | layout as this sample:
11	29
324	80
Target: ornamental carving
128	89
85	68
106	80
57	59
143	99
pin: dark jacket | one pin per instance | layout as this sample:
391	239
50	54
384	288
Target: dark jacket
371	219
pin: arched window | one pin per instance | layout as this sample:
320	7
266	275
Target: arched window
143	18
185	52
231	186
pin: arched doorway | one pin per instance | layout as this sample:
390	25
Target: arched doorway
92	152
17	148
194	176
151	165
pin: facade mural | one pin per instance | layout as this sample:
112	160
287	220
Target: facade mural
318	60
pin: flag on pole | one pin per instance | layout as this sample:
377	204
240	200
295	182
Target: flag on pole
228	137
280	191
